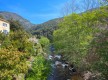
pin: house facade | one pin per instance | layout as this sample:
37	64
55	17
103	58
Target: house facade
4	26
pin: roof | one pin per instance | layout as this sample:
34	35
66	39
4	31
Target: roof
4	20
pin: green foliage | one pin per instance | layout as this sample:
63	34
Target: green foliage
4	40
44	41
19	39
40	69
1	17
46	29
15	25
14	49
76	33
38	49
99	47
12	62
74	36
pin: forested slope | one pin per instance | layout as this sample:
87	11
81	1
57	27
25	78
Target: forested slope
45	29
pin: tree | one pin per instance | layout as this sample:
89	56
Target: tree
98	54
44	41
14	50
40	69
70	7
90	5
1	17
74	36
73	6
12	62
77	31
15	25
78	37
103	2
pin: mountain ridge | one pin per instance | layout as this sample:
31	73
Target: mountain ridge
44	29
11	15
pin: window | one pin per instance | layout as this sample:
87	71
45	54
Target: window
5	31
4	24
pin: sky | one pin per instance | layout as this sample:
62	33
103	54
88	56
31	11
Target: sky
36	11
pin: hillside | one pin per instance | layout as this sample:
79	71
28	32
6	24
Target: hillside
9	15
45	29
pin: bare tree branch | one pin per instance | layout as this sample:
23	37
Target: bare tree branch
70	7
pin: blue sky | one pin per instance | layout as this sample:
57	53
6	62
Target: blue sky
36	11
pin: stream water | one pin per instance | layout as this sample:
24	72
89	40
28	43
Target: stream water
60	68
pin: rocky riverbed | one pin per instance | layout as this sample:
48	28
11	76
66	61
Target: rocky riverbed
61	70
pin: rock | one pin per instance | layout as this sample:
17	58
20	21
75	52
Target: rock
87	75
58	56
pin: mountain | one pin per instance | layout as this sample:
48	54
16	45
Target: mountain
51	24
45	29
9	15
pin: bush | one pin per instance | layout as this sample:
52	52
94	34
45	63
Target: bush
40	69
12	62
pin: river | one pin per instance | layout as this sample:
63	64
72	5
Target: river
60	68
